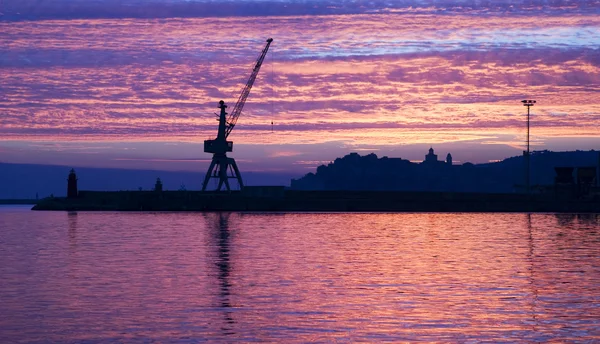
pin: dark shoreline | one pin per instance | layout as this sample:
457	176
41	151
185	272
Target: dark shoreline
18	201
330	201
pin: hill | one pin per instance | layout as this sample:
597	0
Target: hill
355	172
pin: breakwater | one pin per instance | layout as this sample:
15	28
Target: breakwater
278	199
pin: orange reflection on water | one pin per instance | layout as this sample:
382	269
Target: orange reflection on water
300	277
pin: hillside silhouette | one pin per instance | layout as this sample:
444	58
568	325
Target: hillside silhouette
356	172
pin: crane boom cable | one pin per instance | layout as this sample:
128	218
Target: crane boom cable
237	110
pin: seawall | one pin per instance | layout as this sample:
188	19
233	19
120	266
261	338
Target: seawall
277	199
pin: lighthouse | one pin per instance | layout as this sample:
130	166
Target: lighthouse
72	185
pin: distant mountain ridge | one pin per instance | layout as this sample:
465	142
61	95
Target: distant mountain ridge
355	172
27	180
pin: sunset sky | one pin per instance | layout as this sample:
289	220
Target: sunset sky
136	83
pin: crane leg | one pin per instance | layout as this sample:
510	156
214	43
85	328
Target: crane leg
223	174
208	173
227	184
237	173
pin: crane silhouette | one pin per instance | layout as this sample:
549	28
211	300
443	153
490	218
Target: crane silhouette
222	167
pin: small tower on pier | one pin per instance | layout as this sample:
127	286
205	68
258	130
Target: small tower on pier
72	185
158	186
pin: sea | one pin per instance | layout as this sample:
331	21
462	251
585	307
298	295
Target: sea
161	277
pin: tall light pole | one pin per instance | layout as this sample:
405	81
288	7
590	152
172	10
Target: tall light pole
528	103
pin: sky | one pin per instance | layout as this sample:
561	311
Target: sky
136	84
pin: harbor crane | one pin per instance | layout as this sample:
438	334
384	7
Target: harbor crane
223	167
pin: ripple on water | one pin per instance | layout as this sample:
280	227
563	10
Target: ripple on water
296	277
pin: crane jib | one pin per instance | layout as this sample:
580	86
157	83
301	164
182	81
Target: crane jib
237	110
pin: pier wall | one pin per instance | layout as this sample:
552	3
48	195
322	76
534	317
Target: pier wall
294	200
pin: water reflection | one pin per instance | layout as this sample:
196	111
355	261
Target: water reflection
532	271
565	220
72	222
578	221
224	277
588	219
219	227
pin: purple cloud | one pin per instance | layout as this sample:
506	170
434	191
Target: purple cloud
366	80
79	9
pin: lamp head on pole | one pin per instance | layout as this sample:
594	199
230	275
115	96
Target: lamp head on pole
528	102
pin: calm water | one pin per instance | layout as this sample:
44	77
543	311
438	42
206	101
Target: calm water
189	277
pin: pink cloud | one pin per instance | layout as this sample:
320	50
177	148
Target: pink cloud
358	80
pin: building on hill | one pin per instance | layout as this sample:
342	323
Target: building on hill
431	157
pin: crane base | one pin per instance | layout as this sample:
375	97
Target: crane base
218	169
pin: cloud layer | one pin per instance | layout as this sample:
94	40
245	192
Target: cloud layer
377	77
15	10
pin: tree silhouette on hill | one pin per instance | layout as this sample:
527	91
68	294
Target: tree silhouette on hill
356	172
